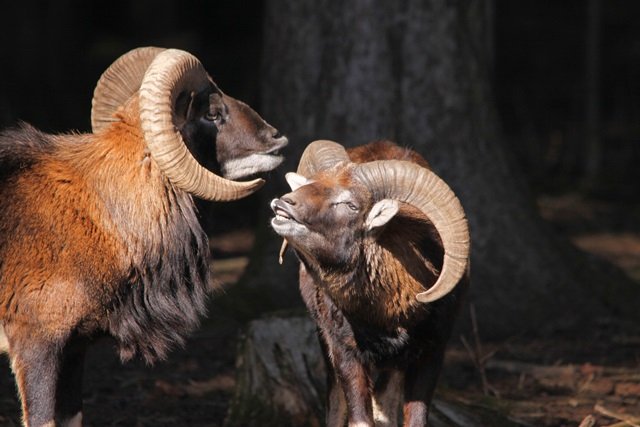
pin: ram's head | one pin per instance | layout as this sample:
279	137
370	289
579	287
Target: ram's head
335	204
183	112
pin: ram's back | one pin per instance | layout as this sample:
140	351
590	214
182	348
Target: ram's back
384	150
19	149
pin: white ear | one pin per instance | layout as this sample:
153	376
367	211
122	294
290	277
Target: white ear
381	213
296	181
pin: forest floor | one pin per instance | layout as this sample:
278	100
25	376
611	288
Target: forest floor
552	382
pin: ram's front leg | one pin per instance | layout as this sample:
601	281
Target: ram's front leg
351	380
35	365
356	385
340	352
335	402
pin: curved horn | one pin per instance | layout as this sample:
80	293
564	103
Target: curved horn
422	188
321	155
121	80
171	73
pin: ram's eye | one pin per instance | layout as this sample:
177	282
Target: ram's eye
352	206
213	117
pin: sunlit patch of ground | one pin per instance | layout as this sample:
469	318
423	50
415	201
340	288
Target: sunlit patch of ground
562	382
621	249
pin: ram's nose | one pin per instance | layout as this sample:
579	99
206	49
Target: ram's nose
276	137
288	199
282	205
275	133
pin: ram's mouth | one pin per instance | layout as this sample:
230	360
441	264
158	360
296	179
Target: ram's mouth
282	213
285	222
275	151
282	216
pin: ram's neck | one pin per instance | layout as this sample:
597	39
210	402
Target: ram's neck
143	205
388	275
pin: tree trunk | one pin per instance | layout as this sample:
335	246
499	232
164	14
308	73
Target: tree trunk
593	151
414	71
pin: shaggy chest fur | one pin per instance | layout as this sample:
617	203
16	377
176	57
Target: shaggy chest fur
381	289
165	276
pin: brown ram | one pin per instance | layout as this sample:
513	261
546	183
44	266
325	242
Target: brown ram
383	245
99	233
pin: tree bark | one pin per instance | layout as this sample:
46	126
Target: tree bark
593	150
415	72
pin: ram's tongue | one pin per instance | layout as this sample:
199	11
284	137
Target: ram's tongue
283	249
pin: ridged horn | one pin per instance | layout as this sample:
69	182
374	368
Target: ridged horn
321	155
171	73
116	85
407	182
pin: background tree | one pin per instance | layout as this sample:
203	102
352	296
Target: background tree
416	72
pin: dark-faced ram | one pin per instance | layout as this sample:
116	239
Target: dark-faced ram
99	233
383	246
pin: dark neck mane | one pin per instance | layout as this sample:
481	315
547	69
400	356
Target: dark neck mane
389	272
163	289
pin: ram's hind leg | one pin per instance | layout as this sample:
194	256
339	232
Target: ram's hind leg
388	394
69	388
420	384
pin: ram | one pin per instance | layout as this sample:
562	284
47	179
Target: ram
383	245
98	232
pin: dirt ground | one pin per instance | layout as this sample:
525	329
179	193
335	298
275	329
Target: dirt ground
542	383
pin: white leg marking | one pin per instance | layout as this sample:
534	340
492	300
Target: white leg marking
4	343
387	403
75	421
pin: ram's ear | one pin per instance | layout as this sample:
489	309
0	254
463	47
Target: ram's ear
296	181
381	213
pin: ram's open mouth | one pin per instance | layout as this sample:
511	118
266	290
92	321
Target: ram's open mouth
281	215
284	221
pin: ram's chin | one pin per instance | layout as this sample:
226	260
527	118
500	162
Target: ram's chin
250	165
286	227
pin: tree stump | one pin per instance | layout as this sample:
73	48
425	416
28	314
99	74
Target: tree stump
280	375
280	381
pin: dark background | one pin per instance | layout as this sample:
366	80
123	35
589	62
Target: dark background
549	113
54	52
